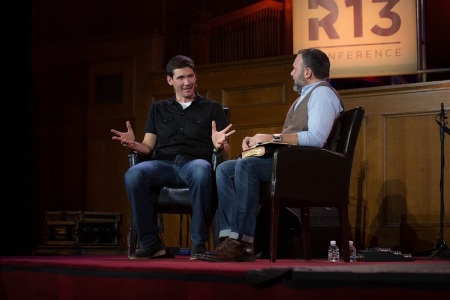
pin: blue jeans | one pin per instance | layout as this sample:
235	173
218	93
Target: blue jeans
238	188
147	176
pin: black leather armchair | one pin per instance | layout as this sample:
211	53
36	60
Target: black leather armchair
305	177
175	199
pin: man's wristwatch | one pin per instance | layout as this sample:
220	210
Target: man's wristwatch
276	138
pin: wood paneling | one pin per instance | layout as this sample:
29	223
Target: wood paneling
106	160
395	191
395	181
401	141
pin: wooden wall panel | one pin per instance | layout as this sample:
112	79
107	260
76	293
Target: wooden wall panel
402	165
395	180
106	160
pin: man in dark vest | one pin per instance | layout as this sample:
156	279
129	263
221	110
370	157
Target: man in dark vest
308	123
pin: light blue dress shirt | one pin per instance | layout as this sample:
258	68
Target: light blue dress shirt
323	108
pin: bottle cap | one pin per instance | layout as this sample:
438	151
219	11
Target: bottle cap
333	242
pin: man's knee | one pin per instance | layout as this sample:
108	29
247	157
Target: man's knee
227	167
131	176
201	170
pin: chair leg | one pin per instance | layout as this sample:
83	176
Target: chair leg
274	218
343	215
215	229
304	215
132	238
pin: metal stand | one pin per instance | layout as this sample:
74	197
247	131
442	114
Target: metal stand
441	246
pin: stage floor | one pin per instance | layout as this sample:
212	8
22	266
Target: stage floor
117	277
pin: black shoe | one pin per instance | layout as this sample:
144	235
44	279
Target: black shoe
154	251
230	250
197	250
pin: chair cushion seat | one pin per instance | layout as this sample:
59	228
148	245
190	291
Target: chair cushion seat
174	199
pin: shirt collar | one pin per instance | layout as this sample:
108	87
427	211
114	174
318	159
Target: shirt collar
308	88
196	99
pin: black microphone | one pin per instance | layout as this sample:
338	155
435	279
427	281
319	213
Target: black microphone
443	117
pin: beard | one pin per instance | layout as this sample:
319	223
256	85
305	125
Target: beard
299	84
297	87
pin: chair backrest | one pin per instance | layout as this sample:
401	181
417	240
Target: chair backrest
172	199
307	177
175	199
344	134
226	110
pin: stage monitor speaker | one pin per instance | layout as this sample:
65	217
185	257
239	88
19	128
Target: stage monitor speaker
324	227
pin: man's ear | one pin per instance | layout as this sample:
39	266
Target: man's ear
308	73
169	80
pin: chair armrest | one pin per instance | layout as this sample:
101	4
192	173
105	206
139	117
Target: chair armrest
134	158
324	172
217	158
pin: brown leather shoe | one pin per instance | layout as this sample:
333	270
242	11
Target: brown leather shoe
230	250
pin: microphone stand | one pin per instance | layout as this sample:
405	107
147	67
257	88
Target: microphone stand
441	246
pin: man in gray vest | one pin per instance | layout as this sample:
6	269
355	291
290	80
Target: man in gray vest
308	123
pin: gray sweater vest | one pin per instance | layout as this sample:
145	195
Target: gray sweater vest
298	120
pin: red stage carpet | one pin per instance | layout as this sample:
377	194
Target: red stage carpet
116	277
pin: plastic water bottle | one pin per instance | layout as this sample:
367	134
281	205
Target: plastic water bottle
333	252
352	251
